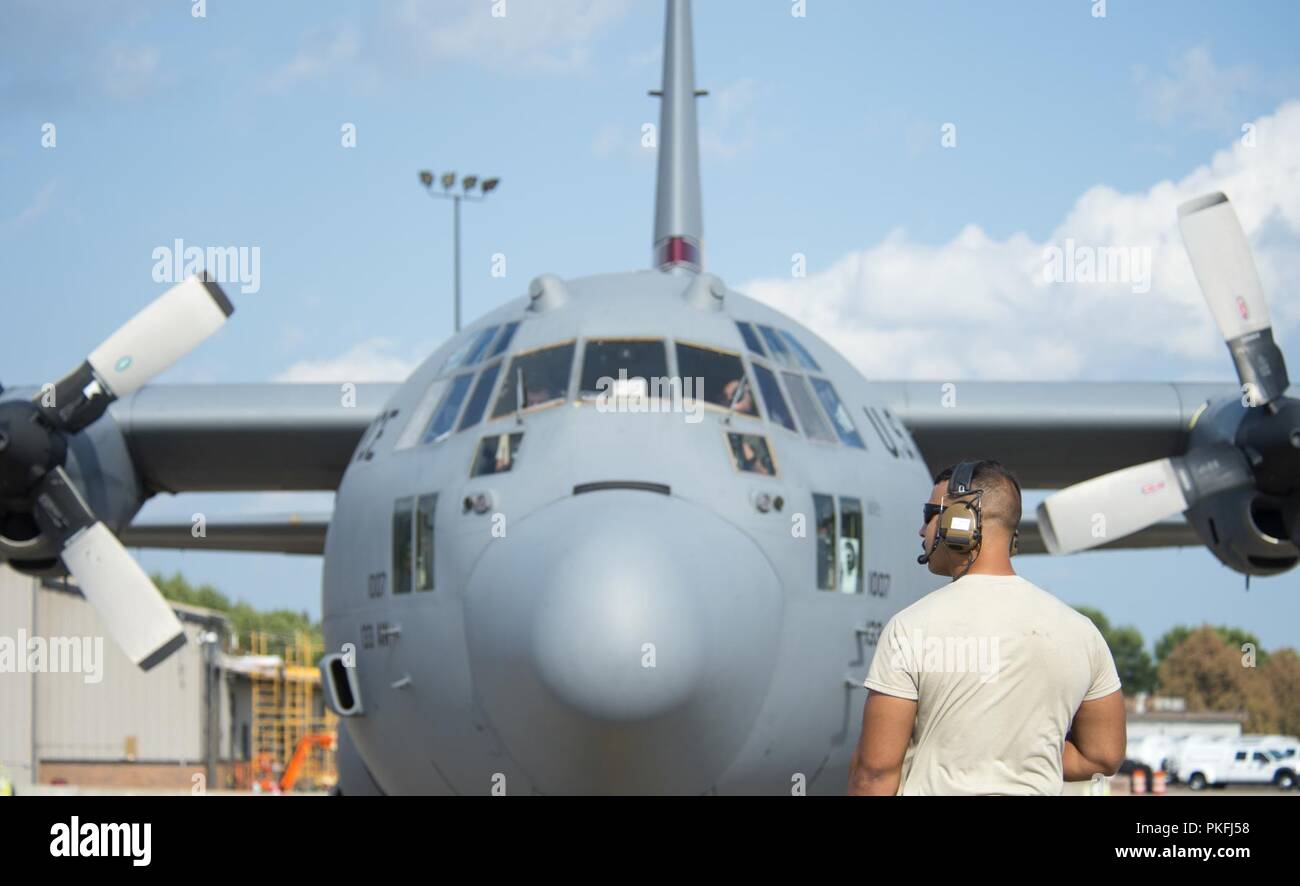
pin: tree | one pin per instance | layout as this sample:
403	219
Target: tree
1235	637
1283	675
1212	675
1132	662
281	625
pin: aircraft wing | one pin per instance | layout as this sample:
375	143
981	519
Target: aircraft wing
305	534
1051	434
241	438
262	533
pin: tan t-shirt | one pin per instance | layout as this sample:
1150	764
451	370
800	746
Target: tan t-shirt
998	668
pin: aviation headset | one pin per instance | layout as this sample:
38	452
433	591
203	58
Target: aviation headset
959	522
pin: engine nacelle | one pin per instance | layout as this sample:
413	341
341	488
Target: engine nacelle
100	465
1250	530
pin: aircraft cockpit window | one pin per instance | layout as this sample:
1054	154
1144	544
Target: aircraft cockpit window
424	542
824	515
480	345
545	375
777	410
445	418
780	350
496	454
403	531
750	453
630	365
478	401
809	415
839	415
850	545
805	358
721	373
507	335
751	338
470	352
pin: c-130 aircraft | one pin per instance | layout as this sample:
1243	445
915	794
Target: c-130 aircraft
629	533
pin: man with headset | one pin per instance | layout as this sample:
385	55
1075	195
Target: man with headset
988	685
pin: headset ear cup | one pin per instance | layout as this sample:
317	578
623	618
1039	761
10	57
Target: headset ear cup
959	525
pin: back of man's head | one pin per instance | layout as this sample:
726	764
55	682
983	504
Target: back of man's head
1000	501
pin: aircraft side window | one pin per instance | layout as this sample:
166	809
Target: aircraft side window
780	350
777	409
445	418
507	335
719	372
478	400
751	338
420	417
751	453
424	542
850	545
640	361
480	345
840	417
470	351
882	431
800	352
900	432
824	515
403	529
545	376
496	454
810	416
366	448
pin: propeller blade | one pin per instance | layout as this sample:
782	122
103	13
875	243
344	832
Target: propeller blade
170	327
177	322
133	611
1229	280
1122	502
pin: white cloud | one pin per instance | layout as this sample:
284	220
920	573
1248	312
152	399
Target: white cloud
129	72
554	35
370	361
979	307
40	205
324	51
1194	88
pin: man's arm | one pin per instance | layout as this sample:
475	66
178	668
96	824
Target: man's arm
1097	739
877	765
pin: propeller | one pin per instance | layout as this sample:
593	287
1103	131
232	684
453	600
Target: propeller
1125	501
34	444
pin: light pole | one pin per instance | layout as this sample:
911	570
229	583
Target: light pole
448	181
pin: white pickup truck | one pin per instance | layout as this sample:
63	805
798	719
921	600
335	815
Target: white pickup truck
1239	761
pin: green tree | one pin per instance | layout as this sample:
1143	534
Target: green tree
1136	671
1234	637
281	625
1212	674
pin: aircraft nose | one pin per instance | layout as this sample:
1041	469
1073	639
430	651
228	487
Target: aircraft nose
623	642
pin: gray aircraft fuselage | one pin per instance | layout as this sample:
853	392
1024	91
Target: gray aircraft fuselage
628	638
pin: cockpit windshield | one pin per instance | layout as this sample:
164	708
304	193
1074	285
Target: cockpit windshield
630	365
721	375
544	374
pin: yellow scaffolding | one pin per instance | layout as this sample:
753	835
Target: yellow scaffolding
288	705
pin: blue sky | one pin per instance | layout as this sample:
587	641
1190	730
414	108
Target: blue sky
821	137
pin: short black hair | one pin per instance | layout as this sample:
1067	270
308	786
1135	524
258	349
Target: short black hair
1000	502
